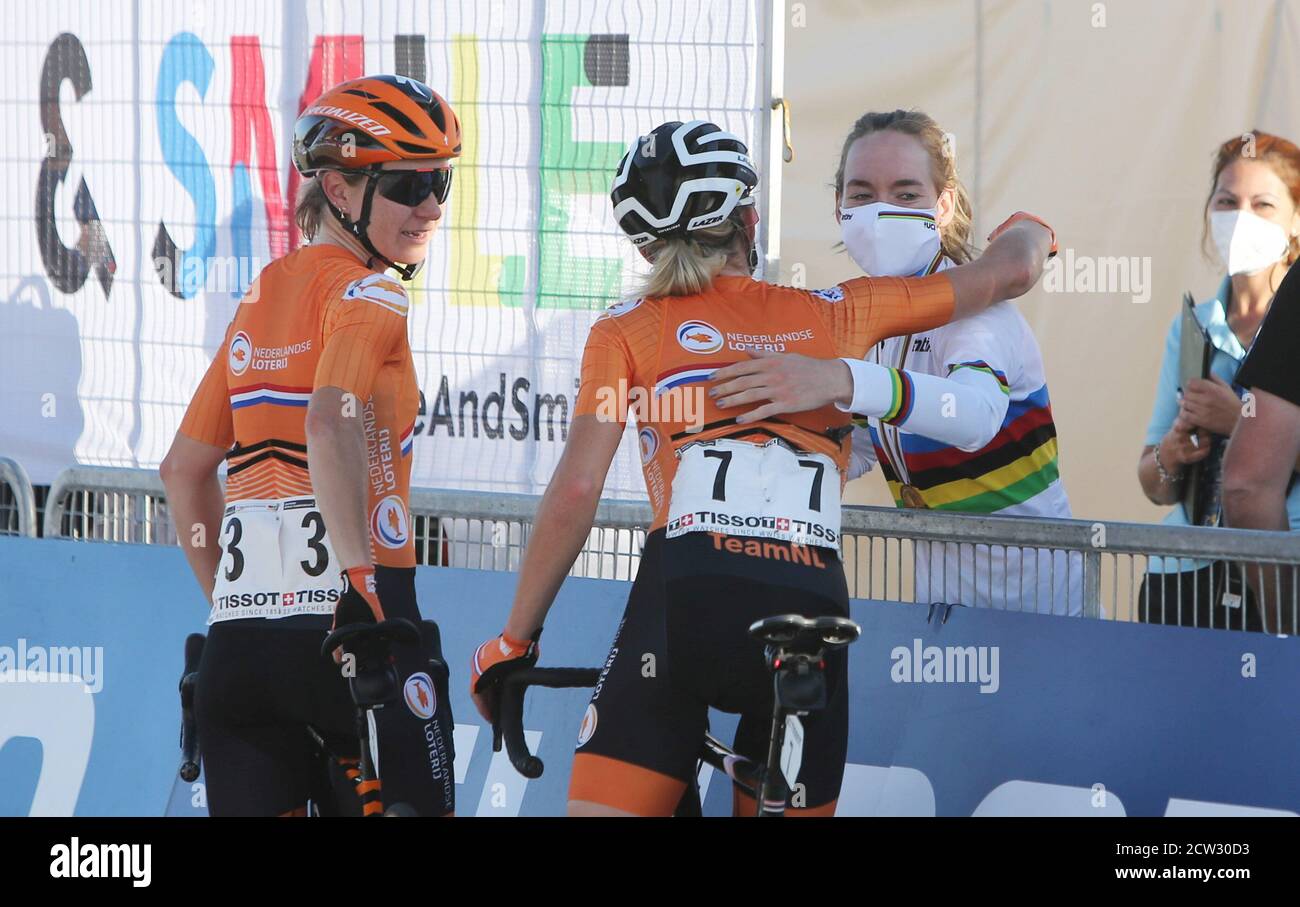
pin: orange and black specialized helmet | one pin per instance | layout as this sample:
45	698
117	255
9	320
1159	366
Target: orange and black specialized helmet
368	122
361	125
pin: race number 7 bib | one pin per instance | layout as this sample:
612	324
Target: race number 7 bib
768	490
276	561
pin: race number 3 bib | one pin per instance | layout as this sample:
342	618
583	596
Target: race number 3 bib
276	561
768	490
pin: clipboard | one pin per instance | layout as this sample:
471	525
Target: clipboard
1194	353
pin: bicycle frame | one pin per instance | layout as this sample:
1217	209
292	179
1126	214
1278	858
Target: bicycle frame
794	649
752	779
371	685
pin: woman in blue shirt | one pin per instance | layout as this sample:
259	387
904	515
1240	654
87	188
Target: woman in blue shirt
1253	215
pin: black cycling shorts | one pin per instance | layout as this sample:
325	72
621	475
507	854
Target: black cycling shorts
684	646
262	682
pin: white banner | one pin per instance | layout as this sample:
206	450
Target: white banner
153	176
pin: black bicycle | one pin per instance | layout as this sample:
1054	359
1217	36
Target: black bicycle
794	648
345	772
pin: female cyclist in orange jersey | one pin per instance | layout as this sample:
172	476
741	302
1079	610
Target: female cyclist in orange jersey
311	401
746	518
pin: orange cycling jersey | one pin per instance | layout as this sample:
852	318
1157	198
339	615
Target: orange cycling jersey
315	318
646	354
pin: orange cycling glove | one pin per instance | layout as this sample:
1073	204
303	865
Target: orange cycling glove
359	603
501	656
1025	215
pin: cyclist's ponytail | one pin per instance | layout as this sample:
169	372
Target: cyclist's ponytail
686	265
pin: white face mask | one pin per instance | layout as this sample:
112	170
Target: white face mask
1247	243
888	241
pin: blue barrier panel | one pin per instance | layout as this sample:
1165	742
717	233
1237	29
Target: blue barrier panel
131	606
1076	717
1088	717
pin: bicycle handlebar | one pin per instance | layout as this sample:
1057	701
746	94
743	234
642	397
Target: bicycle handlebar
510	710
365	635
803	635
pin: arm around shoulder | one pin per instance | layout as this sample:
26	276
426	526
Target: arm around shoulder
1008	269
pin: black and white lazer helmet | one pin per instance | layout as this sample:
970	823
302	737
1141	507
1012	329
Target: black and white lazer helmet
681	177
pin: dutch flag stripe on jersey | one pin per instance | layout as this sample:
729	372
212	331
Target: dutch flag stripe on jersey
274	394
689	375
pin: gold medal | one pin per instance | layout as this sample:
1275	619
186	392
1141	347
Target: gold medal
912	498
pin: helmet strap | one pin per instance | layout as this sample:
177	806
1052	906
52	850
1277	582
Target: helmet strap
358	229
751	236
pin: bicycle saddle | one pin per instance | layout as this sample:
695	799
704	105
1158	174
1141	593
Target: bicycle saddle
798	632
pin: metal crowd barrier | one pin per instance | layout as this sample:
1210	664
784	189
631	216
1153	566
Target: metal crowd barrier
1075	567
489	531
17	500
484	531
109	504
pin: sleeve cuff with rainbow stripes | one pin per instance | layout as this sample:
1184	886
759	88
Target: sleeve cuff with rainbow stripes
885	393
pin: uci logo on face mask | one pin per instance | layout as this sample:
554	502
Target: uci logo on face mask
887	241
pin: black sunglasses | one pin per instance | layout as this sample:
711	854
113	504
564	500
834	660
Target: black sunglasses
412	187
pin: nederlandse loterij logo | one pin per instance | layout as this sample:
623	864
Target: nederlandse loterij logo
241	353
649	440
699	337
102	861
588	726
388	522
946	664
419	695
